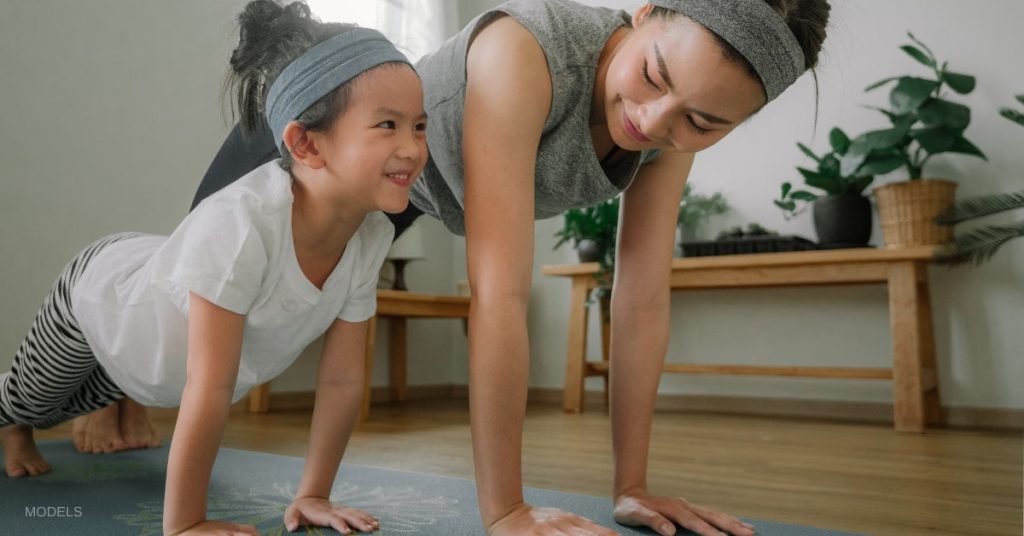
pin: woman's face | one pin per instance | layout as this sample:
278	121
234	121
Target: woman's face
669	86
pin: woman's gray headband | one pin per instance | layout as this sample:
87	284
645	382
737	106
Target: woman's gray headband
755	30
321	69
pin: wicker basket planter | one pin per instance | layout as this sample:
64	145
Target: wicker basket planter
907	211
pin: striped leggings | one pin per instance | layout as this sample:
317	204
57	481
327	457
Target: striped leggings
55	376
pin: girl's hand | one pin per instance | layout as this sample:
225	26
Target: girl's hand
219	528
527	520
319	512
637	509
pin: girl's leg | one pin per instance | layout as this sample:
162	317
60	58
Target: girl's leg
55	375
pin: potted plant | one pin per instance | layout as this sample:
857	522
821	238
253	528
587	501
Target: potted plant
980	244
695	209
842	214
592	232
923	123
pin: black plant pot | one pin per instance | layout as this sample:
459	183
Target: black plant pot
588	251
843	220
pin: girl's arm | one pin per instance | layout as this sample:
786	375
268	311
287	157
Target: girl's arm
214	349
508	97
639	340
339	394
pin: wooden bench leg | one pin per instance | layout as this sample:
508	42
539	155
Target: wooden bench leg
259	398
371	339
932	402
906	319
397	358
576	353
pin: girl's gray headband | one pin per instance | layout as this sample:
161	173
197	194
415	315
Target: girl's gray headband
755	30
321	69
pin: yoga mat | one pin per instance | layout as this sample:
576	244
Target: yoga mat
122	493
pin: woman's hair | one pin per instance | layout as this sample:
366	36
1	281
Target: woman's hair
807	20
270	38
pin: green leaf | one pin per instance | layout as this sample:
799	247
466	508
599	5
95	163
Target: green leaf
804	195
961	83
920	44
977	207
825	182
859	184
786	187
910	93
921	57
880	83
808	152
934	139
962	146
839	140
881	165
788	206
1012	115
1020	98
938	112
855	156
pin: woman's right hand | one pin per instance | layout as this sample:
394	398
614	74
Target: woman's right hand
218	528
528	520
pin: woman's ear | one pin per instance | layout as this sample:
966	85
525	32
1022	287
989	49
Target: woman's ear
640	15
302	146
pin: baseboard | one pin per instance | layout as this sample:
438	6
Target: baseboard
955	417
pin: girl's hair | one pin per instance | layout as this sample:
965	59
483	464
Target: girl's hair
271	37
807	20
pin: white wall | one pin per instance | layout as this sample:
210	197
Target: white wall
111	115
977	311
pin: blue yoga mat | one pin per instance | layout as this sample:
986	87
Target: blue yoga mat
122	493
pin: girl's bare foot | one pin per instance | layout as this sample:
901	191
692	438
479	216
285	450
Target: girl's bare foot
136	430
99	431
21	457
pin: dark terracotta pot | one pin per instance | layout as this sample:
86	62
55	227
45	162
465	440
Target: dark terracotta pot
843	220
588	251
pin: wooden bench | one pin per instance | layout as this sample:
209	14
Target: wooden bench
904	271
396	306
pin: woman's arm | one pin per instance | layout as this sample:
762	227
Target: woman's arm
508	98
639	340
339	394
214	350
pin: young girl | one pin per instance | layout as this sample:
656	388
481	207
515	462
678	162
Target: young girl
538	106
253	275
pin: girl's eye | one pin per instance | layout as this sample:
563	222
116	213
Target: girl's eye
421	127
700	131
387	124
647	76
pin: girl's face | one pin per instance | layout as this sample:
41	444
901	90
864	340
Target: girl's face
670	87
378	147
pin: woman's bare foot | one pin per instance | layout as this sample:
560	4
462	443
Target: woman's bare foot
21	457
136	430
99	431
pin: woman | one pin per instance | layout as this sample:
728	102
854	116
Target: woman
543	105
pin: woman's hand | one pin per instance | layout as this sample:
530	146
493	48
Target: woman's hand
219	528
662	514
319	512
527	520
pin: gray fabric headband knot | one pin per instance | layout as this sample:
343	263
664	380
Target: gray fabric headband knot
321	69
755	30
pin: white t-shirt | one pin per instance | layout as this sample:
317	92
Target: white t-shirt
235	250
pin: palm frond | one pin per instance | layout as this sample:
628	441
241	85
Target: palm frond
978	245
981	206
1012	115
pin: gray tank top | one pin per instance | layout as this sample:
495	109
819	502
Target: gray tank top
568	173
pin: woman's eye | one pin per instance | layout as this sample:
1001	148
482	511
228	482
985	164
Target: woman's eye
700	131
647	76
387	124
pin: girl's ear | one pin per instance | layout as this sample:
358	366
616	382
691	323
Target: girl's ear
302	146
640	15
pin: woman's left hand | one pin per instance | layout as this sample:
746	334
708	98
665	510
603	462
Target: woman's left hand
319	512
662	514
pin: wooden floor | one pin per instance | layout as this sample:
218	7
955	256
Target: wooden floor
855	477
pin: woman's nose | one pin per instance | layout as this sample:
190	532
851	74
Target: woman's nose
654	120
